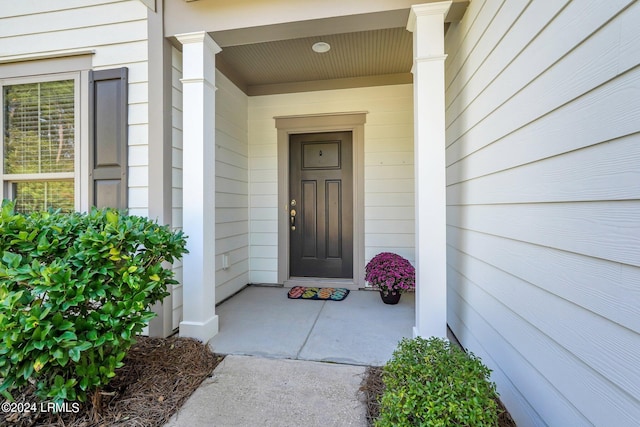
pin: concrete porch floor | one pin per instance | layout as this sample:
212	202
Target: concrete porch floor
360	330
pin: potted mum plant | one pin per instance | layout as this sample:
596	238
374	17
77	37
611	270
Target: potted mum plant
392	275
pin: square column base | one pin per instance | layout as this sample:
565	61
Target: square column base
202	331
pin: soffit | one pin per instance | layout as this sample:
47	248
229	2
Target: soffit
363	54
367	49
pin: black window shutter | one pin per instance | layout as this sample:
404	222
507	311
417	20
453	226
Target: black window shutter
108	138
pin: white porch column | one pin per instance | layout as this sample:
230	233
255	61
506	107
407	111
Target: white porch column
426	21
198	174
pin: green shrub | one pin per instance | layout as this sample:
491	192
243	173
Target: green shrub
433	383
75	289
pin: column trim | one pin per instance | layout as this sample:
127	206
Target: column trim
199	37
426	9
159	149
426	21
199	288
430	58
198	80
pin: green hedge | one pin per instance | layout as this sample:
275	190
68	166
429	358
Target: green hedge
433	383
75	289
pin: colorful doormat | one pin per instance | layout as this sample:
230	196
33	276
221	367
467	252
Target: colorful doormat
333	294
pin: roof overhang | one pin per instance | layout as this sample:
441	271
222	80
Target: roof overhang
266	46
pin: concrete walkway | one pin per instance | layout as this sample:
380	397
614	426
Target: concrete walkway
360	330
274	373
250	391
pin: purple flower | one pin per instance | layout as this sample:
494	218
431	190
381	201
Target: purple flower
390	273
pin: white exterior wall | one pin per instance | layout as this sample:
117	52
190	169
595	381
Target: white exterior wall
232	188
117	32
389	195
543	195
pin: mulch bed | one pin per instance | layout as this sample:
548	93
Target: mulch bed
158	377
372	388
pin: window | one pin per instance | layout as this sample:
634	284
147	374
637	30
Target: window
64	135
39	145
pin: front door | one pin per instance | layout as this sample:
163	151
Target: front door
321	205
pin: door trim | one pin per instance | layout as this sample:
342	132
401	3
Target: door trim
332	122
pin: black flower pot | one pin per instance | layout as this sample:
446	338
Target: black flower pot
390	298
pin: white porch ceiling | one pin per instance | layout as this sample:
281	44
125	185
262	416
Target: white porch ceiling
367	49
354	59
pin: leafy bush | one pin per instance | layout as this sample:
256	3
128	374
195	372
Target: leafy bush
433	383
75	289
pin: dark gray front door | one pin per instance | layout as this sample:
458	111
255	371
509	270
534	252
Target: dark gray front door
321	217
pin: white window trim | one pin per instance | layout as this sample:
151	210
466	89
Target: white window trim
80	175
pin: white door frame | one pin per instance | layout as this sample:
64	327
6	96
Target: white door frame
332	122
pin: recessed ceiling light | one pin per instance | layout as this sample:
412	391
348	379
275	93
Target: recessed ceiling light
321	47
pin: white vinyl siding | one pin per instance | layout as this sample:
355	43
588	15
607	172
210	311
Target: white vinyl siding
232	188
115	32
388	158
543	204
